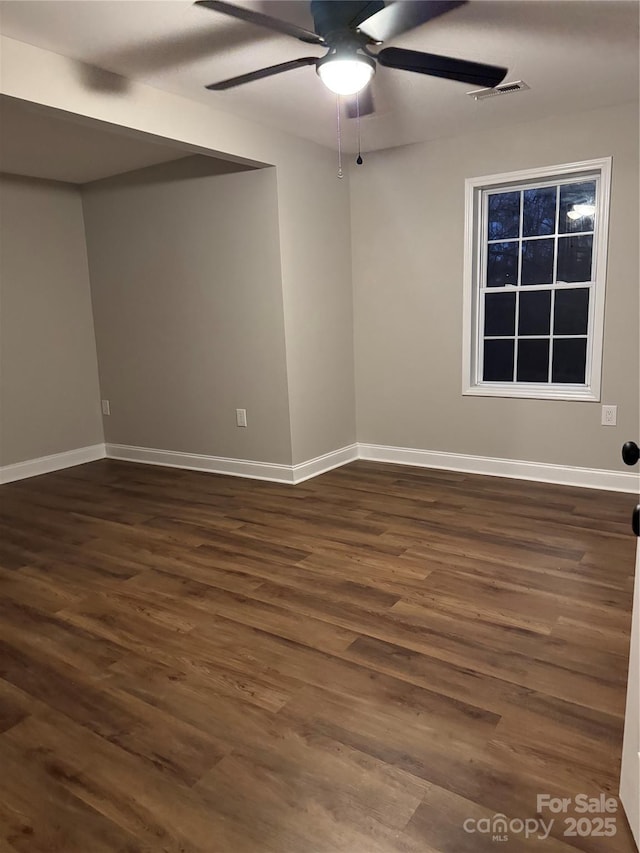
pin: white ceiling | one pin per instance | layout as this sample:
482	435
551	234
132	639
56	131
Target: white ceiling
574	54
41	144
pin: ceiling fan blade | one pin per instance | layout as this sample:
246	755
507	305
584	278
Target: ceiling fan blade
262	20
262	72
403	15
366	10
475	73
364	104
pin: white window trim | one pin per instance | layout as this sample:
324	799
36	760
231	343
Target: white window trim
472	259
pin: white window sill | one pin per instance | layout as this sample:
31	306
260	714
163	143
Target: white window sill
533	392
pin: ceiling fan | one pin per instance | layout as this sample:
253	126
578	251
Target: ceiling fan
349	28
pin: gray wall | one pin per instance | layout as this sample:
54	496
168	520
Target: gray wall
187	297
407	239
318	308
235	314
49	394
313	213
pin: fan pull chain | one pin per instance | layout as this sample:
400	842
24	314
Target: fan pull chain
359	157
340	172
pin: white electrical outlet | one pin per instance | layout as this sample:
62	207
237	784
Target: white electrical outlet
609	415
241	417
106	407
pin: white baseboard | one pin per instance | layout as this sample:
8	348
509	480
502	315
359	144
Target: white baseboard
590	478
234	467
326	462
54	462
566	475
197	462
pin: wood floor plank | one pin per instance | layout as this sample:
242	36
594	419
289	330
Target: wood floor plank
38	815
193	663
314	799
41	591
134	725
257	611
207	675
134	798
600	730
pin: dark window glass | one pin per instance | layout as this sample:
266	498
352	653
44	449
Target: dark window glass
537	262
539	212
504	215
502	264
569	359
533	360
571	311
534	313
577	206
574	258
500	314
498	361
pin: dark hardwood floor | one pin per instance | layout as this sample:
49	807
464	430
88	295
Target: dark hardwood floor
368	662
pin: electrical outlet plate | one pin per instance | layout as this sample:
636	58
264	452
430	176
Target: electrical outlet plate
609	415
106	407
241	417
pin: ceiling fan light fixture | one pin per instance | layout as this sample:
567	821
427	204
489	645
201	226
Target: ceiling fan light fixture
346	75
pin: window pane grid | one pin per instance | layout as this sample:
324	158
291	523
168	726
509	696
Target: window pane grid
566	205
568	323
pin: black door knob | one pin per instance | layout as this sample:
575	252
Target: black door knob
630	453
635	520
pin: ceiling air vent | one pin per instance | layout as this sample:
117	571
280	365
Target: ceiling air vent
502	89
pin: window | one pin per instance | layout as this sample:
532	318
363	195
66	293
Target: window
535	263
